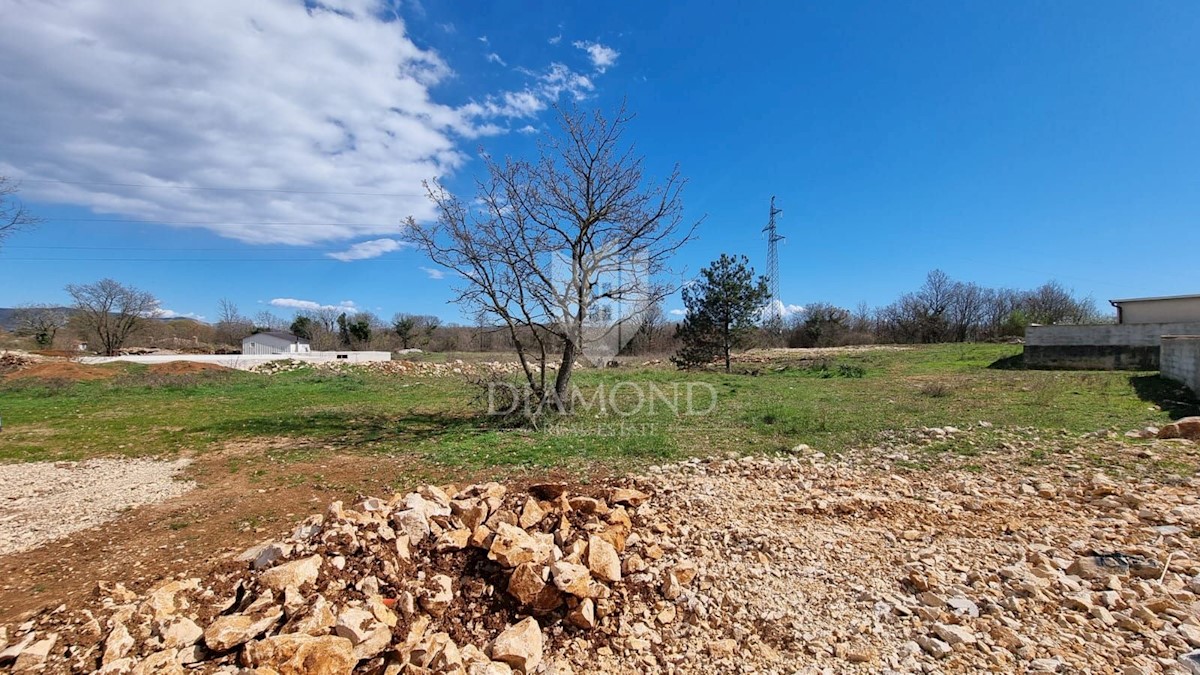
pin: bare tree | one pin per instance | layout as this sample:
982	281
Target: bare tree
41	322
231	325
265	321
819	324
110	312
966	310
1052	303
582	207
13	214
414	329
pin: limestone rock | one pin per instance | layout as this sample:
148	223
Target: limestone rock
1188	427
452	540
628	496
181	632
437	595
298	654
583	615
934	647
602	559
118	645
316	621
527	585
531	514
165	662
954	635
227	632
513	546
520	645
294	574
33	657
572	578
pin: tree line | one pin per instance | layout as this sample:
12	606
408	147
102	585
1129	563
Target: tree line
941	310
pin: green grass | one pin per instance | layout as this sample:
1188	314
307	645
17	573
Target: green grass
848	403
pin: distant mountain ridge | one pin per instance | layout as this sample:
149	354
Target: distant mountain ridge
8	317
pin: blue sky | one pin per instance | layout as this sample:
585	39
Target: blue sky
1005	143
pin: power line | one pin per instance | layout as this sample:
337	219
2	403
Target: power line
178	260
255	249
149	221
223	189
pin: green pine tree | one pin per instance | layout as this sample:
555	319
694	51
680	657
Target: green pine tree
723	305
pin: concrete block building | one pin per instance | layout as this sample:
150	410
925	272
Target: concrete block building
274	342
1133	343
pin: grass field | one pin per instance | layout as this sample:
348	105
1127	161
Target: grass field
851	402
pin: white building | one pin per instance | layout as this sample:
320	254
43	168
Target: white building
274	342
1167	309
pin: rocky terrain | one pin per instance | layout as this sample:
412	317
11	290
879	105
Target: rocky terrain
44	501
398	367
800	563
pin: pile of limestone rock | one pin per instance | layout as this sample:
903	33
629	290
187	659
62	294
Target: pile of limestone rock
478	580
14	361
401	368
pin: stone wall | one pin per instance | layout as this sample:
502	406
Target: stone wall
1180	360
1100	347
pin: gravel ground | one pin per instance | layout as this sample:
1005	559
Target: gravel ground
809	567
799	564
44	501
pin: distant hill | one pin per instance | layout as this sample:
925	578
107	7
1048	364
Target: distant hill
8	317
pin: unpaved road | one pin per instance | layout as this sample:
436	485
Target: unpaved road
44	501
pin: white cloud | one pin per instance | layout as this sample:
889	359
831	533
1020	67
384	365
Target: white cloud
493	57
433	273
324	114
555	40
309	305
602	56
785	310
678	312
528	129
483	39
368	249
172	314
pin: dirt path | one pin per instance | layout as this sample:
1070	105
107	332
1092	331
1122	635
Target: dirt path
227	511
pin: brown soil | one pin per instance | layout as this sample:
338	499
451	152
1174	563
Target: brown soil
245	495
65	370
186	368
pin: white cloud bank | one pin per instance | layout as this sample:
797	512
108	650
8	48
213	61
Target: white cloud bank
172	314
603	57
312	306
278	97
368	249
433	273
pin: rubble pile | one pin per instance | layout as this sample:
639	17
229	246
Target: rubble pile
403	367
12	362
476	580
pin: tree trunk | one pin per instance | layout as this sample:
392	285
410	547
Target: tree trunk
725	340
563	381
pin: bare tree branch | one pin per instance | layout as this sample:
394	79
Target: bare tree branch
541	242
14	215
